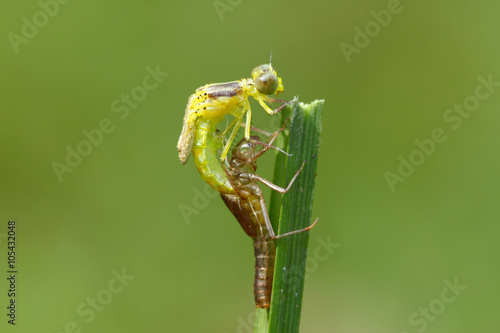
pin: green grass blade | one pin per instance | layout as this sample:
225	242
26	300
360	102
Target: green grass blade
261	321
279	166
262	315
295	214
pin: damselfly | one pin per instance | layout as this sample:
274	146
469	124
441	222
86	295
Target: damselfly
208	106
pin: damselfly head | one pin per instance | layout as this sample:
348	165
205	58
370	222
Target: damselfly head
266	80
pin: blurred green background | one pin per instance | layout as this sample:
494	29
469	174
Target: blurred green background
120	207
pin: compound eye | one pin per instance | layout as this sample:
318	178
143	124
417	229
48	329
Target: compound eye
266	83
261	69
